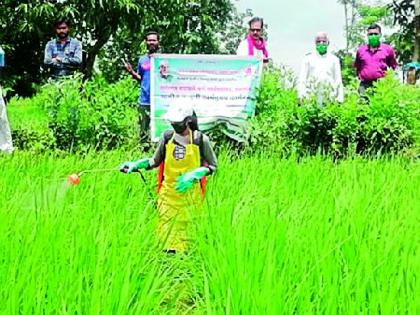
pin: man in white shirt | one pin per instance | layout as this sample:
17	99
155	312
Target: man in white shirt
320	74
254	44
6	144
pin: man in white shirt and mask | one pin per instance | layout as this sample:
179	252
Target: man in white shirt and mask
320	74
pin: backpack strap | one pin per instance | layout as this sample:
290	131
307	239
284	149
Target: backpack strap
197	140
167	135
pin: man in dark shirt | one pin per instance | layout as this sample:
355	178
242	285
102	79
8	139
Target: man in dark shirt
63	55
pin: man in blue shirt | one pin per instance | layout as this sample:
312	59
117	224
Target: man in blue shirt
63	55
143	76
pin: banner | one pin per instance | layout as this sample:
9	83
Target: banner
221	89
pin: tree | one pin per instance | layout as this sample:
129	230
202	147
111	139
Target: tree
403	12
206	27
358	17
93	20
28	26
187	26
350	7
23	50
235	31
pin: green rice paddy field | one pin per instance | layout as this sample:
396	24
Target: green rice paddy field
276	236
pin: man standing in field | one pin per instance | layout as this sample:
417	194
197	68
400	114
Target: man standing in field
254	44
320	73
63	55
142	75
373	59
6	145
185	157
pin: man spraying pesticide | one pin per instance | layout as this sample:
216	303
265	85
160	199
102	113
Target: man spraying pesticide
185	157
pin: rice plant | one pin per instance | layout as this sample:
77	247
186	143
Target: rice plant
275	236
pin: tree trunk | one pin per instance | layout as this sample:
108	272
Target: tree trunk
417	37
92	52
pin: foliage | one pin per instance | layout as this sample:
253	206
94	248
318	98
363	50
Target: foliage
22	68
348	71
235	31
276	236
366	15
398	13
404	38
349	18
98	115
388	123
109	29
187	27
79	115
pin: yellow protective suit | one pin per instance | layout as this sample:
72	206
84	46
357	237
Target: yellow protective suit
176	210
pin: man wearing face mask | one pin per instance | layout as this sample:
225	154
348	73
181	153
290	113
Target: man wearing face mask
254	44
373	59
185	157
320	73
63	55
142	75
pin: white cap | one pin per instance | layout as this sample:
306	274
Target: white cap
178	111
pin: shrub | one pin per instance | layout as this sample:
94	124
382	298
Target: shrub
388	123
79	115
76	115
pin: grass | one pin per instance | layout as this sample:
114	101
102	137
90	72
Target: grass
276	237
23	113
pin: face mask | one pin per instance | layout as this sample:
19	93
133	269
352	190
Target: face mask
374	40
179	127
322	48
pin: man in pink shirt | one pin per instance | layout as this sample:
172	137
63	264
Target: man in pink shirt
373	59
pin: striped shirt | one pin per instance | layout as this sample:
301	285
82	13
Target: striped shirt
69	53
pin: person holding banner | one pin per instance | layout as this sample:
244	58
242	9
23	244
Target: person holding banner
142	75
185	157
254	44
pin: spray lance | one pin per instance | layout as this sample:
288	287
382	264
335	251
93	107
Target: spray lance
74	179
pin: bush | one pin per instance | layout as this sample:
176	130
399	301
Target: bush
76	115
387	123
29	124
